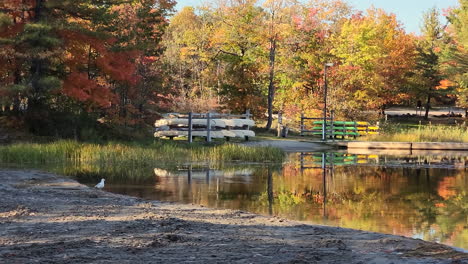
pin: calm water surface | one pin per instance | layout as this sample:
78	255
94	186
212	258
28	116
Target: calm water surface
423	196
415	196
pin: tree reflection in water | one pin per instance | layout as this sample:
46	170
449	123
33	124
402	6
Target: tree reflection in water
416	196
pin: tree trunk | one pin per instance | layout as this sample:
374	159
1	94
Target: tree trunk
36	65
428	105
271	85
89	62
218	79
382	110
37	10
270	191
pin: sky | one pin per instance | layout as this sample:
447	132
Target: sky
409	12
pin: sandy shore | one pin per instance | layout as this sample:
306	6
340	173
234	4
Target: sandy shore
45	218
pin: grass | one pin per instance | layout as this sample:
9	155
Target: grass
417	133
134	154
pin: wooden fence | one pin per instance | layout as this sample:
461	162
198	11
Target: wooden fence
336	129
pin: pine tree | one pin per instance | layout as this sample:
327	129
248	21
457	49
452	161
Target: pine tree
69	56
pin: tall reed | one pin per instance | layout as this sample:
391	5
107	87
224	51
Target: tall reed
423	134
133	154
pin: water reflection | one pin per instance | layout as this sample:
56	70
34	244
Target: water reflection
422	196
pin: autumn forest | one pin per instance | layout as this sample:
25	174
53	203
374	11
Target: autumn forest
66	64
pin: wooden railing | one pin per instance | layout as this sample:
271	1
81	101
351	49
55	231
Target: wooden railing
337	129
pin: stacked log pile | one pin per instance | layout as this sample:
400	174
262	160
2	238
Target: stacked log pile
210	125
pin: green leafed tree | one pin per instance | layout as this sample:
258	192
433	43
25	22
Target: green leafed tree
455	61
237	40
304	48
429	47
190	60
278	26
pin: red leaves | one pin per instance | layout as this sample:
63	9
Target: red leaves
358	16
446	12
309	22
118	66
94	67
78	86
312	15
149	60
11	30
20	11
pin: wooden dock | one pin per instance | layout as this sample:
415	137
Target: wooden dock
454	146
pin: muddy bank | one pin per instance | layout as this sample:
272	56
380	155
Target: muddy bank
291	145
46	218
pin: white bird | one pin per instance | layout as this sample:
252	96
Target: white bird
100	185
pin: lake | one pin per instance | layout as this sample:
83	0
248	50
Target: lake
419	196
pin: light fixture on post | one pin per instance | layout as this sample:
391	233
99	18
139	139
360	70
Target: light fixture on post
324	125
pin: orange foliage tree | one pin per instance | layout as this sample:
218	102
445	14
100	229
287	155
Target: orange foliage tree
72	57
375	58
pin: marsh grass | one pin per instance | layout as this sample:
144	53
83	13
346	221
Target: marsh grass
134	154
426	133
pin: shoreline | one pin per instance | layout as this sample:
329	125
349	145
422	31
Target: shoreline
411	146
51	218
362	147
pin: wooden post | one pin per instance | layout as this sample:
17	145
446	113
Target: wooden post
208	176
324	161
344	130
247	116
332	116
190	126
208	127
302	124
355	126
324	127
324	167
332	160
302	161
280	124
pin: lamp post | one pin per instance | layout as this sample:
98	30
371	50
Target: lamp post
325	88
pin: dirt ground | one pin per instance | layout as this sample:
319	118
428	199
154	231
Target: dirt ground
290	145
45	218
